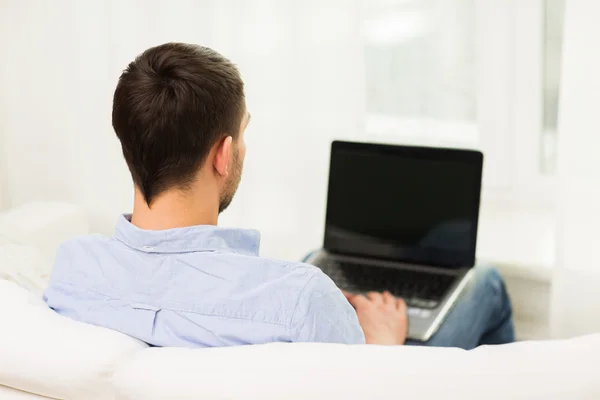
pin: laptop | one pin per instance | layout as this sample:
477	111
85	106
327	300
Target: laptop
403	219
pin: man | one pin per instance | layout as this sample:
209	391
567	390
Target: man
171	277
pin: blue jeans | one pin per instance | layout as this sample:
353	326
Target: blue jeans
482	315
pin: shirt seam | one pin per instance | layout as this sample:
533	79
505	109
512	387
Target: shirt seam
298	302
175	309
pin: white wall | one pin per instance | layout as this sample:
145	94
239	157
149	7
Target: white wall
56	118
61	61
575	301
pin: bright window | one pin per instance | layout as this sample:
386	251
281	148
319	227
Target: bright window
420	67
469	73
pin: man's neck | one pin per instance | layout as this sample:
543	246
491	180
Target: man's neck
173	209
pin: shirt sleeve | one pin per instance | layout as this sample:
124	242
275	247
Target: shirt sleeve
324	315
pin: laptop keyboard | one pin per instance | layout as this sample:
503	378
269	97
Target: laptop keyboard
418	289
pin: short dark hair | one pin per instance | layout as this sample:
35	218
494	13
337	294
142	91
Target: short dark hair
171	105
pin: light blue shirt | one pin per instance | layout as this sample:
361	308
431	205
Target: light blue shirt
201	286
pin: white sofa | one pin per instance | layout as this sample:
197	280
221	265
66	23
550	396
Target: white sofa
43	355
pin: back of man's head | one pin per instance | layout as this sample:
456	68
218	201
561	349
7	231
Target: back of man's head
171	105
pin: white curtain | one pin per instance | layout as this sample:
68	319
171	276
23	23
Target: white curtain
303	67
576	285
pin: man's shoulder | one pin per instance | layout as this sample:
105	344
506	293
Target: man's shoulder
303	280
293	285
322	313
75	256
82	243
299	273
292	279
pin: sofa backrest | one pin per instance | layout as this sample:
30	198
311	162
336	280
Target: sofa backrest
529	370
44	353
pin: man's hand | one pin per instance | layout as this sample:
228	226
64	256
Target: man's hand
382	317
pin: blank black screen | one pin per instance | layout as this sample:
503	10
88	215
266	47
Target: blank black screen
409	204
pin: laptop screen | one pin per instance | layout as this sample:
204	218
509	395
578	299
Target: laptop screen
411	204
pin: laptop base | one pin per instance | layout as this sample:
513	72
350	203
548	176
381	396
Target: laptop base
425	313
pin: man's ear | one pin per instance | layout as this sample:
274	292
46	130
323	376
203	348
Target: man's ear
223	153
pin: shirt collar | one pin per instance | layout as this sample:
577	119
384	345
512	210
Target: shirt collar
189	239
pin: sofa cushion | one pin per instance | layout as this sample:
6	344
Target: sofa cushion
47	354
25	266
29	235
528	370
43	225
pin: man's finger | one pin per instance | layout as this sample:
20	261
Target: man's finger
403	309
358	300
401	305
388	299
375	297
